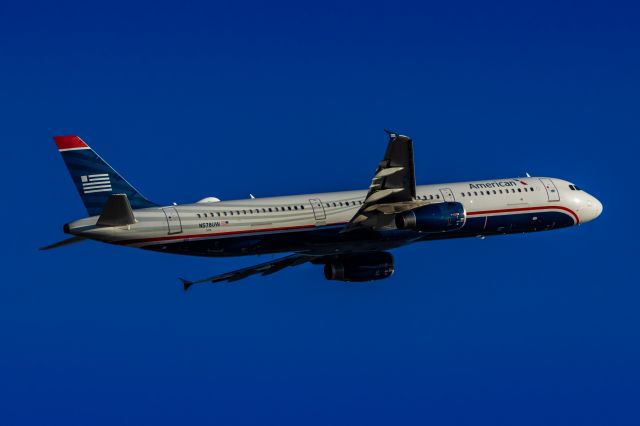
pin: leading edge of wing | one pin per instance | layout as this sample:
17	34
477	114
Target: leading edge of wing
265	268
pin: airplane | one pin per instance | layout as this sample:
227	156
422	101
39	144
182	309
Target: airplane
350	233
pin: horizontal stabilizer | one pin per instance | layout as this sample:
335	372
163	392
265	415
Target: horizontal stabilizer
117	212
66	242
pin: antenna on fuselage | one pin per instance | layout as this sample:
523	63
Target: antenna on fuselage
528	175
252	197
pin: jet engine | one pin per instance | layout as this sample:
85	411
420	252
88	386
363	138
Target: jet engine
437	217
359	267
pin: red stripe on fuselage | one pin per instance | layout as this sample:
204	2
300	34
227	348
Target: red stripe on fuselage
290	228
523	209
69	142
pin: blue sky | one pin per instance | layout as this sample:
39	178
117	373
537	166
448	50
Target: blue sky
198	99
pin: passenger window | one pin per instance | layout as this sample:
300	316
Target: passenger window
302	207
437	196
500	190
494	191
270	210
475	193
519	190
513	190
224	213
462	193
481	192
199	215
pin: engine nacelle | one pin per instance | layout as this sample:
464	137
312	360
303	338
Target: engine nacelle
437	217
359	267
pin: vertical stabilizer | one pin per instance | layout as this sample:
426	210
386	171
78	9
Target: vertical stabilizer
95	180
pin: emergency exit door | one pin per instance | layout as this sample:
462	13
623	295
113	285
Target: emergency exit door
447	194
318	210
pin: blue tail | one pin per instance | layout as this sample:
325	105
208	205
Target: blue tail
94	178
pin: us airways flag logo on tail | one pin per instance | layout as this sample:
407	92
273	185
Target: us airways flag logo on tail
95	183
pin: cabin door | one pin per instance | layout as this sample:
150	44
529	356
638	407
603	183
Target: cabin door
173	220
552	191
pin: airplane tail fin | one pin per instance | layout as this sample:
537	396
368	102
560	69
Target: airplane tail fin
95	180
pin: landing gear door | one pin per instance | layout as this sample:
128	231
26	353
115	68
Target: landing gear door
447	194
318	211
552	191
173	220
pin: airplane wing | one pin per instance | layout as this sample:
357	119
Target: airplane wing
266	268
392	189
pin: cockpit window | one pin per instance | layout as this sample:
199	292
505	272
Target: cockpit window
574	188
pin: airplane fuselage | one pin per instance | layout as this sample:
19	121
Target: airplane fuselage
314	223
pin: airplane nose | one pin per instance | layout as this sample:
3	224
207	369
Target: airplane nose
592	208
597	206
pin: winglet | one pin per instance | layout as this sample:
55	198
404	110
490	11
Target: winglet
391	133
186	283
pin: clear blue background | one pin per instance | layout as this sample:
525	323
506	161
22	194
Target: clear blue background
194	99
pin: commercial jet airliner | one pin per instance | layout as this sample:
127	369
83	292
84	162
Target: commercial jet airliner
349	232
